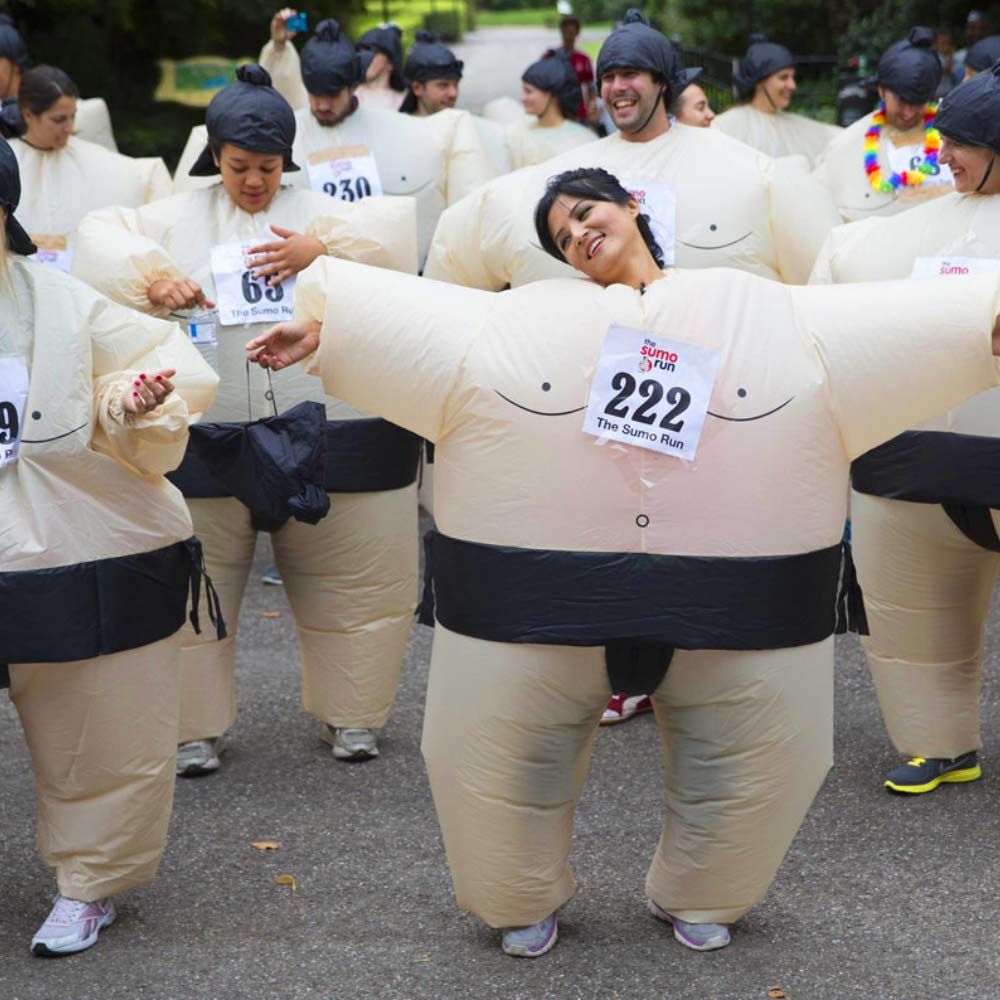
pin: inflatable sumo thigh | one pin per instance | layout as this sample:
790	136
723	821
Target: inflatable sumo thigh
925	506
780	133
552	542
713	203
475	149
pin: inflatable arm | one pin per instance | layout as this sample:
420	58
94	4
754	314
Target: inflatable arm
378	231
390	344
900	352
467	164
124	344
285	68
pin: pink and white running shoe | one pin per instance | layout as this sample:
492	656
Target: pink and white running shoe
72	926
622	707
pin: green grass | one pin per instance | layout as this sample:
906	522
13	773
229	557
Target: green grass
409	15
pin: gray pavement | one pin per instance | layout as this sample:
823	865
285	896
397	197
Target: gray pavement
879	898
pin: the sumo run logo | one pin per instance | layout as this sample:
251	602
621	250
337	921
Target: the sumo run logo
652	357
947	268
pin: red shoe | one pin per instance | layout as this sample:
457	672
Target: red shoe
622	707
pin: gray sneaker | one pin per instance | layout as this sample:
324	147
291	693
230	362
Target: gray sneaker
351	744
198	757
530	942
699	937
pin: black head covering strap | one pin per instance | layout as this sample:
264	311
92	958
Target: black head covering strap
10	194
983	54
911	68
329	60
251	115
12	44
763	58
555	75
970	115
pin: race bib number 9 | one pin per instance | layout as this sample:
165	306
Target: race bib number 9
242	298
345	172
950	267
651	392
13	399
659	202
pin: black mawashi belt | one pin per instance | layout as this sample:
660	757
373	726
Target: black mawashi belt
639	606
90	609
961	472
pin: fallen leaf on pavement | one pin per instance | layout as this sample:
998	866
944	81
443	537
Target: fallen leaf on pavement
265	845
416	960
777	993
270	614
287	880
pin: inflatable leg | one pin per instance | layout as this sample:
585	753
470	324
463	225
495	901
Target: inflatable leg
208	685
748	739
103	740
352	584
927	594
507	739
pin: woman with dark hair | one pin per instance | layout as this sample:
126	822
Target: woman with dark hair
764	86
642	484
97	557
381	51
64	177
550	96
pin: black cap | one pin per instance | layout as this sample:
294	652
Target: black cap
555	75
329	60
10	194
970	114
12	44
249	114
431	59
911	68
636	45
762	59
983	54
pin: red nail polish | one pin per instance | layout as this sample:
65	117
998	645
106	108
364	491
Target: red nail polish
159	378
143	377
136	395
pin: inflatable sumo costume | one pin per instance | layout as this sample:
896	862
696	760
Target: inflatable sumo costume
713	201
873	168
567	550
925	505
371	152
97	560
387	39
774	132
528	140
352	578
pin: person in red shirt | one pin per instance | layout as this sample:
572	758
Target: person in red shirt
569	28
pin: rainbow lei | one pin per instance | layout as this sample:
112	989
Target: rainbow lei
908	178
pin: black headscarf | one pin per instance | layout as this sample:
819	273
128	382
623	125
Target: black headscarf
762	59
251	115
983	54
970	114
10	194
556	76
429	59
12	44
387	39
329	60
911	68
635	45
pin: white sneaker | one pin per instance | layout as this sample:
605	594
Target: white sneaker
351	744
698	937
72	926
198	757
530	942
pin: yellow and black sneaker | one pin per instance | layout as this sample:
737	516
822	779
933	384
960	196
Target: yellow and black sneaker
924	774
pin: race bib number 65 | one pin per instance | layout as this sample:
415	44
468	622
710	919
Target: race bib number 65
13	399
651	392
242	298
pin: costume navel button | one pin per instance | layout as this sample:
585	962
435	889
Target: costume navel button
642	520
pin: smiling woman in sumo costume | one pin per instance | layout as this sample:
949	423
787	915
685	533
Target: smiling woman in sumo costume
701	565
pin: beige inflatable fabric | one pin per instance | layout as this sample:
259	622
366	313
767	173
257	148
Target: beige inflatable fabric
379	98
352	578
437	161
285	67
529	143
504	111
88	485
841	170
498	382
492	139
60	186
93	122
734	208
778	134
927	586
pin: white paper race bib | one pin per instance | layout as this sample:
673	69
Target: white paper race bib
659	202
53	251
345	172
910	157
242	298
948	267
651	392
13	399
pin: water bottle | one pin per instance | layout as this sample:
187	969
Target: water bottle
201	330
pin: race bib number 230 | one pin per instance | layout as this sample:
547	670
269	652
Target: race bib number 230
651	392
